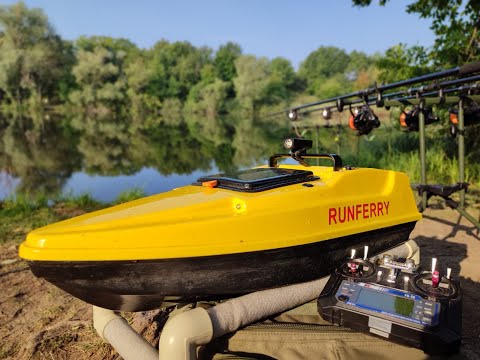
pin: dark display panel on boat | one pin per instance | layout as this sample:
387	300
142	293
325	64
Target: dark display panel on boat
260	179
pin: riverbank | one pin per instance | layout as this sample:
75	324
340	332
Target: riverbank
38	320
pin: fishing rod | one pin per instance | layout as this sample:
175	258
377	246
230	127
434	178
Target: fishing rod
327	110
363	119
429	98
463	70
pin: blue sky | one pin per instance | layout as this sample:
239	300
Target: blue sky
291	29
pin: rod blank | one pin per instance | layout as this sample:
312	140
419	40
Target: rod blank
363	95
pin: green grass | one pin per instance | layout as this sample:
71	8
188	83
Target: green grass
130	195
21	205
440	169
84	201
14	226
21	214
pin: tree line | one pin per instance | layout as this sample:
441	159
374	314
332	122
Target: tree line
108	76
104	77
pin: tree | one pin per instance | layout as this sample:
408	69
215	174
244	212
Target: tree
210	99
366	78
251	81
283	81
33	58
99	74
322	64
333	86
401	62
142	104
224	61
362	69
358	62
176	68
42	162
171	112
456	26
204	111
115	45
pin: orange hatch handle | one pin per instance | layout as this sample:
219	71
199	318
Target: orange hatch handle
210	184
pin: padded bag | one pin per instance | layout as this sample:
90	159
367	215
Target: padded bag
302	334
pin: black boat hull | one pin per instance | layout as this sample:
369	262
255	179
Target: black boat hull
144	284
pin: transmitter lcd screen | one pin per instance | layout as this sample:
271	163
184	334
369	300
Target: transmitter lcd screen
385	302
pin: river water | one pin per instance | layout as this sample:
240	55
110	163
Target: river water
104	158
107	188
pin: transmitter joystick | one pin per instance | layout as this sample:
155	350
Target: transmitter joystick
357	269
441	290
433	286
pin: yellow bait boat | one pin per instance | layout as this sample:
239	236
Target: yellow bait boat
225	235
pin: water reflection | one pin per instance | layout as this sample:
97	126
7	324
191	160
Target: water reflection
107	154
41	159
104	156
107	188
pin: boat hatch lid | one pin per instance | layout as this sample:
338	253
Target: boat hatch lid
254	180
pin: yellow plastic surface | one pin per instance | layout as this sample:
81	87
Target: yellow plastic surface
200	221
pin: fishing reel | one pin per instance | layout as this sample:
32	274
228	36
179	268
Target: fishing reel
410	119
363	120
471	116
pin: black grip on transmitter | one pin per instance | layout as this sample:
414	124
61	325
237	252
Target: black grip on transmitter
469	68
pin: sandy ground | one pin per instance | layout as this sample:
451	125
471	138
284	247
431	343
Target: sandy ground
37	320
